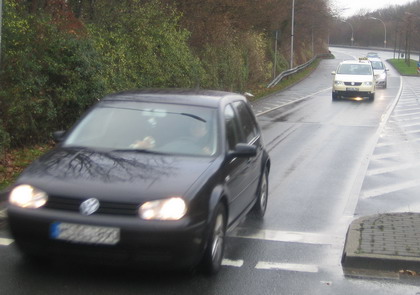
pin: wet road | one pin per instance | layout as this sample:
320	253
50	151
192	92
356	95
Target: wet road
331	162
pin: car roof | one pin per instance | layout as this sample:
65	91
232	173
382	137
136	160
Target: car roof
198	97
375	59
356	61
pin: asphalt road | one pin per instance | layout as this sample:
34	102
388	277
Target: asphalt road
331	162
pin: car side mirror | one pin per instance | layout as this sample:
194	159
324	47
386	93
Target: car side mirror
58	136
333	73
244	150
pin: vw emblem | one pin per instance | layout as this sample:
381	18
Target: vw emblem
89	206
352	83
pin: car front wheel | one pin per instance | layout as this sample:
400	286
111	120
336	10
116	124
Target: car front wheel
213	254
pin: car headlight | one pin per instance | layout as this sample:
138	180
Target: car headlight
369	83
167	209
27	196
338	83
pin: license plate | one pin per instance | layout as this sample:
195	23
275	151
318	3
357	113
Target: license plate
89	234
352	89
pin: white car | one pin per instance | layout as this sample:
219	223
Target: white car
380	72
354	79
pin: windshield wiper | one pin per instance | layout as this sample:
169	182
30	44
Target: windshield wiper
193	116
145	151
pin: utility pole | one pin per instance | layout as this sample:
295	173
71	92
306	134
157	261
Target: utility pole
275	54
352	32
293	35
384	27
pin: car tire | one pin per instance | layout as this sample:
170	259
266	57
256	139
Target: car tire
334	96
213	255
372	97
262	196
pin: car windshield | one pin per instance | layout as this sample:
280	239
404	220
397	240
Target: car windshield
148	127
355	69
377	65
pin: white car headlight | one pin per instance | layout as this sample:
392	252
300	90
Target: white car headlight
26	196
338	83
167	209
369	83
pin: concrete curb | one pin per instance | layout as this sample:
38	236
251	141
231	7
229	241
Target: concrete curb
383	242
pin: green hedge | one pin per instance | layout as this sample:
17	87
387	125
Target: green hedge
48	76
53	66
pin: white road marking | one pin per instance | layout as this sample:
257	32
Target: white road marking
353	198
405	114
390	189
399	121
234	263
398	143
394	155
391	169
5	242
287	236
287	266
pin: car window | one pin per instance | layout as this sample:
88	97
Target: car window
233	135
355	69
247	121
168	128
377	65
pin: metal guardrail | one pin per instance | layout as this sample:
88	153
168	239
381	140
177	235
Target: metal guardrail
293	71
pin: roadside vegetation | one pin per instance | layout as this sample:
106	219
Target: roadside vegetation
59	56
17	159
398	25
404	68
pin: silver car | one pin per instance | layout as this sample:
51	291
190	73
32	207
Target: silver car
380	72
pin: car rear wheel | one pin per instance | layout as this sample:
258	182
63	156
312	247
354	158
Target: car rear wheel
261	205
213	254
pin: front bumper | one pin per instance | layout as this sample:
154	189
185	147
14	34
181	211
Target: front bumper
353	91
381	82
168	245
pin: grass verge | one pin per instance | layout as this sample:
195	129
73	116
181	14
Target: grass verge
403	68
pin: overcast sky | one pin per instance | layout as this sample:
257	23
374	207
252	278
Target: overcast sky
354	6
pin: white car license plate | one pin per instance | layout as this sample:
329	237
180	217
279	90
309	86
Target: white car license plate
89	234
352	89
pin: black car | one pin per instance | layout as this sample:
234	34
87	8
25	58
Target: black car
146	177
